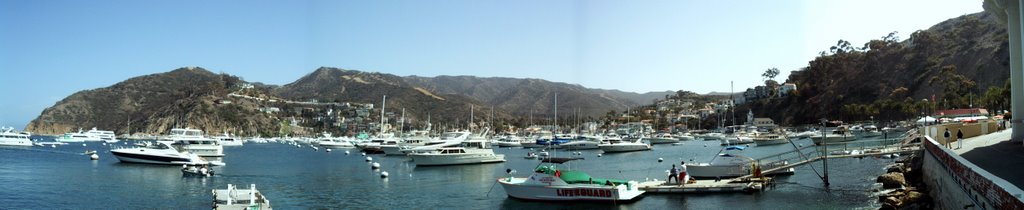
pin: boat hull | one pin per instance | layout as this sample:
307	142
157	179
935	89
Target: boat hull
832	138
15	142
455	159
770	142
516	188
609	148
580	145
129	157
662	140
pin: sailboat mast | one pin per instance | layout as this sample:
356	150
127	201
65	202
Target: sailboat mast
470	125
401	124
556	113
383	103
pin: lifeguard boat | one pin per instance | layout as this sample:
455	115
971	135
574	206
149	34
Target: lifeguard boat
550	183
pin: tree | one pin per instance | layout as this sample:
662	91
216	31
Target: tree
957	88
770	73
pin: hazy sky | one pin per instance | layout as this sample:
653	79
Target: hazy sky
51	49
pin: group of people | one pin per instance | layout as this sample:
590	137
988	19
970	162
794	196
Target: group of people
959	138
677	174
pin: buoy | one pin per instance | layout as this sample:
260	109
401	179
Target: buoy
53	146
346	152
375	165
328	149
94	156
599	155
383	174
83	144
660	160
104	144
364	154
368	159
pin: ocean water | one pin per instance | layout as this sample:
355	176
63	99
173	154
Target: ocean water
301	178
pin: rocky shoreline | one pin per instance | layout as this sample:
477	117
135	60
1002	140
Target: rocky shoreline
903	181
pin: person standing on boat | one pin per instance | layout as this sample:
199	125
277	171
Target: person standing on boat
959	138
673	175
946	135
682	173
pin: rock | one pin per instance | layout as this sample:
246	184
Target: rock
895	168
913	197
892	201
887	207
892	180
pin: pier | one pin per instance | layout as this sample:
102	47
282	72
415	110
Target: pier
708	186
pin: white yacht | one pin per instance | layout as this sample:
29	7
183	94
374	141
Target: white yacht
469	152
840	134
510	141
729	165
737	139
329	141
192	140
869	131
589	142
416	140
227	139
8	137
685	137
619	145
662	138
76	137
712	136
770	139
448	139
159	153
376	145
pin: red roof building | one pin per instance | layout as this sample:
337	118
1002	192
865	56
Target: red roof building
962	112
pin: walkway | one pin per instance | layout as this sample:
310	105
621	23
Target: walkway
996	154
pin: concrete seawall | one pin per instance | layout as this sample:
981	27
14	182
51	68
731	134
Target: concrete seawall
956	183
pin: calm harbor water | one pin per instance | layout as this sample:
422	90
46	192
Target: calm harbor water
300	178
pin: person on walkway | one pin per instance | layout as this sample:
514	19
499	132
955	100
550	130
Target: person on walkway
683	178
959	138
946	135
673	175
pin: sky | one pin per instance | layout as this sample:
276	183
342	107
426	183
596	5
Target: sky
52	49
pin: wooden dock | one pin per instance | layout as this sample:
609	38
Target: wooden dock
706	186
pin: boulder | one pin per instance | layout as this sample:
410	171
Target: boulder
913	197
892	201
895	168
892	180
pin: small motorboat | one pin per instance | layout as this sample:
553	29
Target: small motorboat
196	171
531	155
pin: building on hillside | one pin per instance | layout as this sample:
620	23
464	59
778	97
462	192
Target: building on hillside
764	123
786	89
